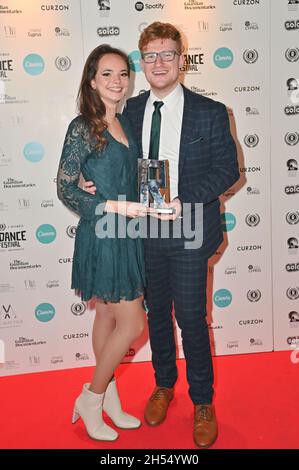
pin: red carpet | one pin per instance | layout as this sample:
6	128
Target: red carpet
256	403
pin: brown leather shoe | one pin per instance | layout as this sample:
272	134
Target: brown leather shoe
205	425
156	408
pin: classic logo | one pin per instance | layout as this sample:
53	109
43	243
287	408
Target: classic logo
254	295
251	140
292	54
78	308
292	243
63	63
134	61
292	217
252	220
292	293
250	56
291	138
71	231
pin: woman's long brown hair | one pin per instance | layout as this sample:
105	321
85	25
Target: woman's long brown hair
89	101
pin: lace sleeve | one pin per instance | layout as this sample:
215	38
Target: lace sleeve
75	150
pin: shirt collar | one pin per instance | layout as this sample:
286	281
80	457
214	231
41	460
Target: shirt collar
171	100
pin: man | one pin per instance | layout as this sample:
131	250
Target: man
193	134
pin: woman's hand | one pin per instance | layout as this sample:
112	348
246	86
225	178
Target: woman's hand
127	208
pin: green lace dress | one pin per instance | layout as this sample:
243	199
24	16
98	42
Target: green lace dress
110	267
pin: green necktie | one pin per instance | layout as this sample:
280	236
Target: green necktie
155	131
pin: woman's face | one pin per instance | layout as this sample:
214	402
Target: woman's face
112	79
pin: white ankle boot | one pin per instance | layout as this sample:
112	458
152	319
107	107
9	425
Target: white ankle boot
112	407
89	407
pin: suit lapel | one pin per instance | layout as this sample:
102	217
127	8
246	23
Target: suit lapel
186	129
139	116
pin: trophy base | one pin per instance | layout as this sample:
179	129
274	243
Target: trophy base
164	210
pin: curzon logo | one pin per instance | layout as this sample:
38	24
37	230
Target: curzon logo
33	64
222	298
223	57
108	31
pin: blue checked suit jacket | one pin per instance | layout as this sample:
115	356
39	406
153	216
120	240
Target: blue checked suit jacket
207	158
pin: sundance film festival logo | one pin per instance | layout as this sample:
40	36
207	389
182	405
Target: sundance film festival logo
292	217
291	138
251	140
108	31
250	56
292	54
291	25
252	220
78	309
254	295
63	63
292	293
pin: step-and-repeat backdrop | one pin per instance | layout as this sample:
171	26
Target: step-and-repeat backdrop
241	52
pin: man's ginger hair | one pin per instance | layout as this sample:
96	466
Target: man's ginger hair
158	30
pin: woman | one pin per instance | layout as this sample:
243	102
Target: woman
99	144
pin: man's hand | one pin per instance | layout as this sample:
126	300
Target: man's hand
175	204
89	187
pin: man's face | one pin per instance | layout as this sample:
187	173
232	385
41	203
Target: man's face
162	76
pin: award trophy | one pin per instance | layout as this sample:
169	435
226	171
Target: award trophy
153	184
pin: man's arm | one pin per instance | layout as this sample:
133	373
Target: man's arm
224	170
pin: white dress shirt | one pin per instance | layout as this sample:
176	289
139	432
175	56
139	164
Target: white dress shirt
170	132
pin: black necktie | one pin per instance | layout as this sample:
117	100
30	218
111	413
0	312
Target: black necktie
155	131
